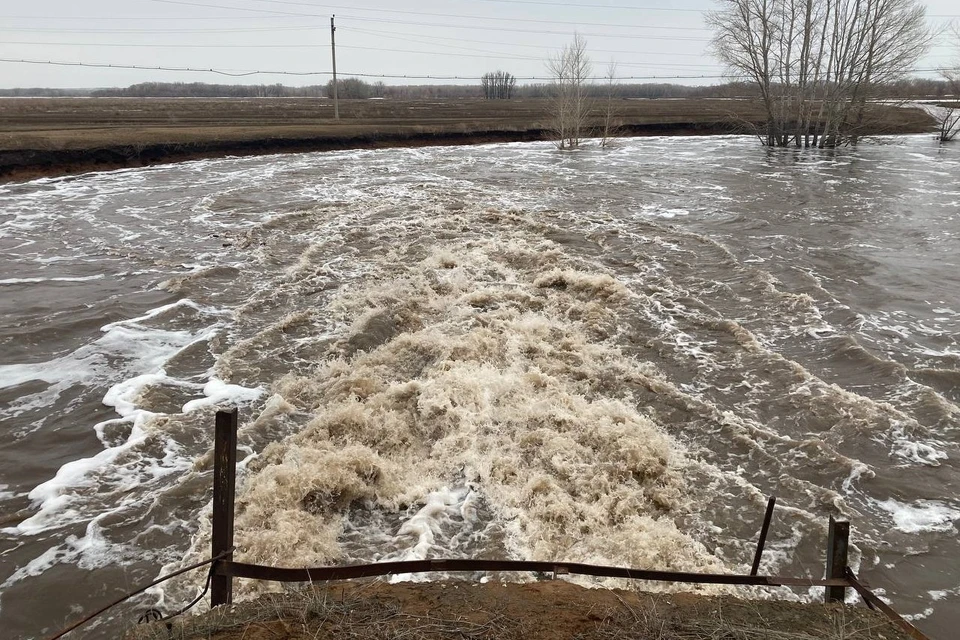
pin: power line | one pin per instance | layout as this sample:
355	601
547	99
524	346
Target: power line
238	73
508	29
167	46
593	6
631	8
486	55
220	6
475	17
95	65
425	24
141	18
204	31
392	35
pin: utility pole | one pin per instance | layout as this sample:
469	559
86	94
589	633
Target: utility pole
333	51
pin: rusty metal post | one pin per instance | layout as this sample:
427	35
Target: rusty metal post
771	503
224	487
838	538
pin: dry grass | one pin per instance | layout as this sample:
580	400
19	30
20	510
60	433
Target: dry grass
552	609
81	123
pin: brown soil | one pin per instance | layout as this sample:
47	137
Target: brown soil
552	609
56	136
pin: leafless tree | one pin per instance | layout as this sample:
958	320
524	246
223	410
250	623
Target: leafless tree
818	63
570	69
949	115
498	85
610	127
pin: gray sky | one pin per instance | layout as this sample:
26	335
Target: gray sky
647	38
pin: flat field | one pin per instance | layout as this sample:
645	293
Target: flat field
46	136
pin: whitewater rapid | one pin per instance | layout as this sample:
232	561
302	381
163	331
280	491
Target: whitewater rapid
609	356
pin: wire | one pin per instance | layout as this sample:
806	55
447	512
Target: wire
486	54
362	75
391	35
592	6
424	24
159	580
180	46
328	73
193	603
95	65
139	18
508	29
474	17
634	8
204	31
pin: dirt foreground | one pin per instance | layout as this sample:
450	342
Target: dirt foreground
551	609
59	136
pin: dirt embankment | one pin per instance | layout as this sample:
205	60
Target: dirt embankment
57	136
552	609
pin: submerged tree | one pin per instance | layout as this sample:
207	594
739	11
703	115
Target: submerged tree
817	63
570	106
950	115
610	127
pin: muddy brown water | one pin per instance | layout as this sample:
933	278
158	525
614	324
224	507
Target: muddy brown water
607	356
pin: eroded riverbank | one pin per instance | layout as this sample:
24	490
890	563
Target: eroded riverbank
62	136
546	610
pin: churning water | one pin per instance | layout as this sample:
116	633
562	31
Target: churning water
607	356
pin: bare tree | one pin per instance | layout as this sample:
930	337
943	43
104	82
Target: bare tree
498	85
949	117
610	127
949	113
818	63
570	69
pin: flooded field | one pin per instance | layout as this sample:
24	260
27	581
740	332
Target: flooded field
608	356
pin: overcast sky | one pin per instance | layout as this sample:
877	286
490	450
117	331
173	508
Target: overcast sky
650	39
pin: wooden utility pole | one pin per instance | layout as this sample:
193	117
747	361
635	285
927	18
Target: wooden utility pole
224	489
838	540
333	51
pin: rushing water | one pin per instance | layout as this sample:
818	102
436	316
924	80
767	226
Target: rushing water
607	356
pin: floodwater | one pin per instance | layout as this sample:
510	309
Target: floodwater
608	356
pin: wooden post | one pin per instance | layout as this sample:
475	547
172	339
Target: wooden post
771	503
224	487
838	537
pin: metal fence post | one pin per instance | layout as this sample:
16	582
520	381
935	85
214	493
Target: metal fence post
771	503
838	537
224	487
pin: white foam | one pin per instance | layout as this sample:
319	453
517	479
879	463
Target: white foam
929	452
58	279
943	594
143	349
922	515
219	392
55	503
126	349
90	551
425	525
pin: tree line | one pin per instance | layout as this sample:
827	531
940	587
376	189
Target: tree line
906	88
498	85
204	90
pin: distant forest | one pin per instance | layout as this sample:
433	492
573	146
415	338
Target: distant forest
354	88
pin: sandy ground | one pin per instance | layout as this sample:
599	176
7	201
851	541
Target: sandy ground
552	609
